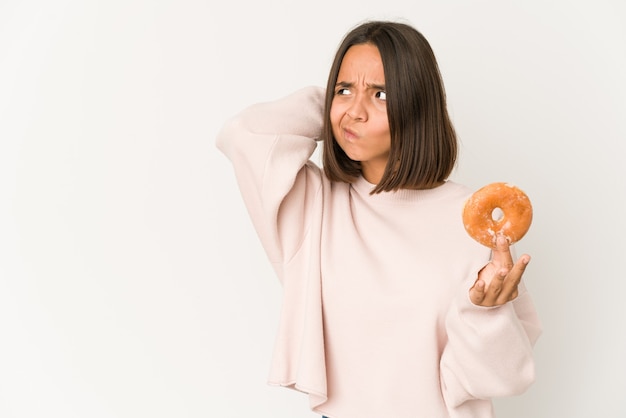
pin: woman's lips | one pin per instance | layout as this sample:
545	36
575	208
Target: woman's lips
350	135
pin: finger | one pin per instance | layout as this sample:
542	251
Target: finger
513	279
496	286
501	253
477	292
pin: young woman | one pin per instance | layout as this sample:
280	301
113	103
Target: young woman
390	309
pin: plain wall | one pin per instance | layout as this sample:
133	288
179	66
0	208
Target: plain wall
131	281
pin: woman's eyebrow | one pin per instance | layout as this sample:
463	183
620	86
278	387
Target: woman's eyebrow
375	86
344	84
372	86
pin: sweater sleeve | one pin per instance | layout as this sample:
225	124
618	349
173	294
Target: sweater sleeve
489	352
269	145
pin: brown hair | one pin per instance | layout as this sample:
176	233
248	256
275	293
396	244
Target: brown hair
423	141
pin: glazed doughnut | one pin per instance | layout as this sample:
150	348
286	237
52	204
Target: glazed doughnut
497	208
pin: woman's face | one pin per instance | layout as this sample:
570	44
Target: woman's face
358	113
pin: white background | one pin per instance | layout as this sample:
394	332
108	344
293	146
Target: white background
131	281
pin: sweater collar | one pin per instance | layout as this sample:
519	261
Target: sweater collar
363	188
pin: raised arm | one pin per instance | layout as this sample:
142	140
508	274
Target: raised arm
269	145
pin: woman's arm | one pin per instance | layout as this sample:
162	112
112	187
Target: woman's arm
490	348
269	145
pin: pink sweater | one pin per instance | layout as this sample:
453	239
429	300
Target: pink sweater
376	319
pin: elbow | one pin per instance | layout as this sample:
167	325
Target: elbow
229	135
526	379
504	381
223	135
517	381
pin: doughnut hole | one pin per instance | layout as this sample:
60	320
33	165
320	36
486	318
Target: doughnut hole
497	214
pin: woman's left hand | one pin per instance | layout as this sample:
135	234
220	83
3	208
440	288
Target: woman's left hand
498	281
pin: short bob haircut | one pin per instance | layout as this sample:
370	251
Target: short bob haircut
423	141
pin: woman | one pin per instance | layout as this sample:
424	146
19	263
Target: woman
390	309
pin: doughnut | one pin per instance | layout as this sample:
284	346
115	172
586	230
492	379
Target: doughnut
497	208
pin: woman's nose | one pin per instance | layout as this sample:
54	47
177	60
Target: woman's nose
357	110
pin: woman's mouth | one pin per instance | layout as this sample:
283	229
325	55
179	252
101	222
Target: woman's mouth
350	135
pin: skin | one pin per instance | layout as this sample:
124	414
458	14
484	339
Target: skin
358	113
498	281
358	116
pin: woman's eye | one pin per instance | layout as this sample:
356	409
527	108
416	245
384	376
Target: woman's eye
342	92
381	95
